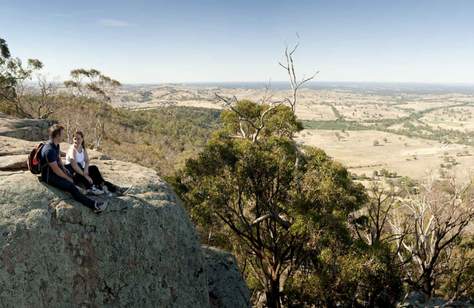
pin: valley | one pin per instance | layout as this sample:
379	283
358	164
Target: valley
401	132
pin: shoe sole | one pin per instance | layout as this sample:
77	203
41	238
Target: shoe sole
98	211
124	190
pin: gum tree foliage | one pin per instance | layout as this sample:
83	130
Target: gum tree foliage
93	84
4	51
13	74
280	204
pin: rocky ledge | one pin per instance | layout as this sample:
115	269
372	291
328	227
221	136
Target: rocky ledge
142	251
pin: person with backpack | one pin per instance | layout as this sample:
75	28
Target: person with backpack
54	173
88	176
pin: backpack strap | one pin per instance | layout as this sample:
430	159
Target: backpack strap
38	156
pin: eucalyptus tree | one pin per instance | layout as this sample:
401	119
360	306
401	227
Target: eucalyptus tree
279	203
92	84
13	75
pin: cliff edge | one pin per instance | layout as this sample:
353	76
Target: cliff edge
142	251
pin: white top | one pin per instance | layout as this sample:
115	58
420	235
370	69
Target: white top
73	154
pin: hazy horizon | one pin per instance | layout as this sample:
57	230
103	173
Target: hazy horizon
365	86
145	42
264	82
321	84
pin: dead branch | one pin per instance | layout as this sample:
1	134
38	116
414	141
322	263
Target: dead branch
428	226
295	83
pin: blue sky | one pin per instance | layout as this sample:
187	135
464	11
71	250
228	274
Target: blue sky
210	40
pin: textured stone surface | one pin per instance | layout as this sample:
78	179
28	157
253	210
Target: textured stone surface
13	162
227	289
141	252
28	129
13	146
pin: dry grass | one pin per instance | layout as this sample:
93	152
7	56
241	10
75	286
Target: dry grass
457	118
413	157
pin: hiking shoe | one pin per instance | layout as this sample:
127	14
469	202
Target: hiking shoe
106	191
121	191
99	207
82	190
95	191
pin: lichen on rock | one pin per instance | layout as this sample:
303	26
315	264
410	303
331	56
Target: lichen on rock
227	289
141	252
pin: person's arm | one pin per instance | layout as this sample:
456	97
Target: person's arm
52	160
61	165
86	162
74	164
85	172
86	166
59	172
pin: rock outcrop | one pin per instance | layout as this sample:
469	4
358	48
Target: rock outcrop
27	129
226	286
141	252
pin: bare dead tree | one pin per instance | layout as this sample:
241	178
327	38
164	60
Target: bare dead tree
267	97
99	131
249	128
68	129
47	90
427	228
375	227
295	82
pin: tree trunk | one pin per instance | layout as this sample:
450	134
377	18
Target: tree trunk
273	294
428	287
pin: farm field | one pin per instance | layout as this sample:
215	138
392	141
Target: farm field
456	118
411	133
364	152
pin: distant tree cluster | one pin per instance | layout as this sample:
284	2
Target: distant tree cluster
91	83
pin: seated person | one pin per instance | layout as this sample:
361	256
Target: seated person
77	162
55	174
